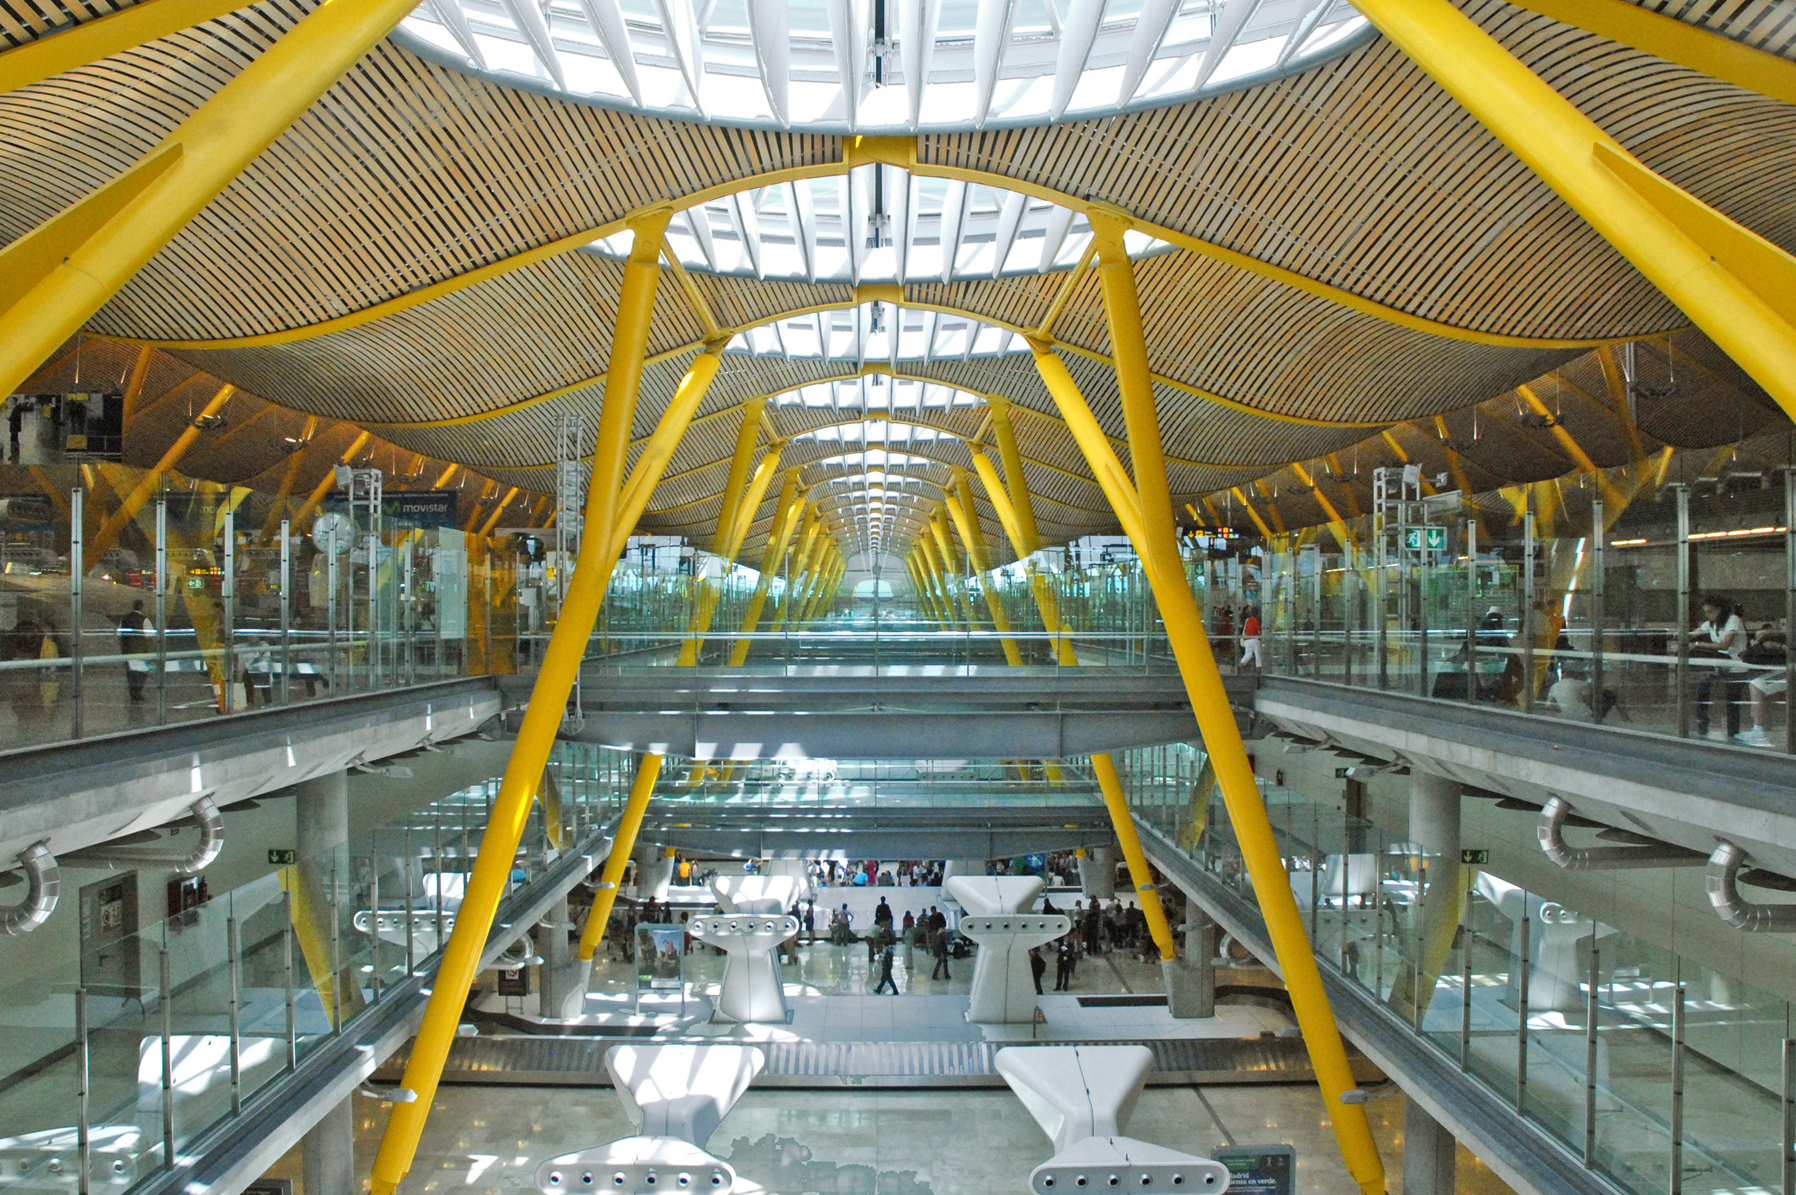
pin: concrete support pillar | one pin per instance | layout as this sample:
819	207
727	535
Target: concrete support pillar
1191	981
561	978
1429	1155
327	1153
1097	873
654	871
321	813
1434	827
1434	813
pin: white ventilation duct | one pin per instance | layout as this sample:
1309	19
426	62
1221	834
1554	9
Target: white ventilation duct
44	880
1722	881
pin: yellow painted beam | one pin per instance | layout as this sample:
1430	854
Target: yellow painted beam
705	608
542	716
96	247
793	497
492	520
108	534
623	843
1190	642
959	501
1710	53
1735	285
103	37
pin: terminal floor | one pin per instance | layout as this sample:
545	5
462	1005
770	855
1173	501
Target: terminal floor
943	1142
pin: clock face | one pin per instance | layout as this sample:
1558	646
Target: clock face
332	521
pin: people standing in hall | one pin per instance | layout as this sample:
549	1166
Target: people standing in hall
939	944
1038	966
883	914
1093	928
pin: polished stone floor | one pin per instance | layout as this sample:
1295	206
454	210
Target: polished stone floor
847	1142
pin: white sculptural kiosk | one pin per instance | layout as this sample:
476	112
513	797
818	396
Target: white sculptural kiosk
1003	983
749	932
1082	1097
675	1095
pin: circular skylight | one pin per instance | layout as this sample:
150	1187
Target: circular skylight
881	66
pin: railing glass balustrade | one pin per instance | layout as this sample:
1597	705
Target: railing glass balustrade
1639	1061
123	1060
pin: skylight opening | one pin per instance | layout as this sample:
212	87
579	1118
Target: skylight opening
833	67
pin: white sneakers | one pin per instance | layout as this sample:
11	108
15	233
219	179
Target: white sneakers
1756	737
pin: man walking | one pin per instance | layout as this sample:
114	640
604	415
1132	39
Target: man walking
940	944
885	972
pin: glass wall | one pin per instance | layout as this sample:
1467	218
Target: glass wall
128	601
158	1039
1642	1062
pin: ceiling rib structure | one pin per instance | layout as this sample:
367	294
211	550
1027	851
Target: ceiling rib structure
1326	247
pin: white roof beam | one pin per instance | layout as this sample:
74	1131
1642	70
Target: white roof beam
1010	221
1060	219
699	220
681	25
916	46
456	22
1301	30
913	202
954	206
848	36
1076	36
898	207
991	29
748	224
1228	26
530	22
607	20
770	28
1150	31
804	225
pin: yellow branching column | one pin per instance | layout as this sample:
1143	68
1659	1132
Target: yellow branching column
1734	284
547	706
623	844
55	277
973	536
727	545
1145	510
804	560
785	520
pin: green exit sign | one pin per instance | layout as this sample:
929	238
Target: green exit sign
1474	857
1432	538
279	858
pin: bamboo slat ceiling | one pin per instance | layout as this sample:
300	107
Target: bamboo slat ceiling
1359	252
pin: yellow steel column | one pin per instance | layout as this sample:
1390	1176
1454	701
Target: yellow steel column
545	711
950	565
925	599
1010	506
623	844
803	559
727	545
147	484
1734	284
748	434
785	519
1165	569
973	537
56	276
933	570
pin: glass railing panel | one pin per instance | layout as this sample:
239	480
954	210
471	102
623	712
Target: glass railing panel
1634	1061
